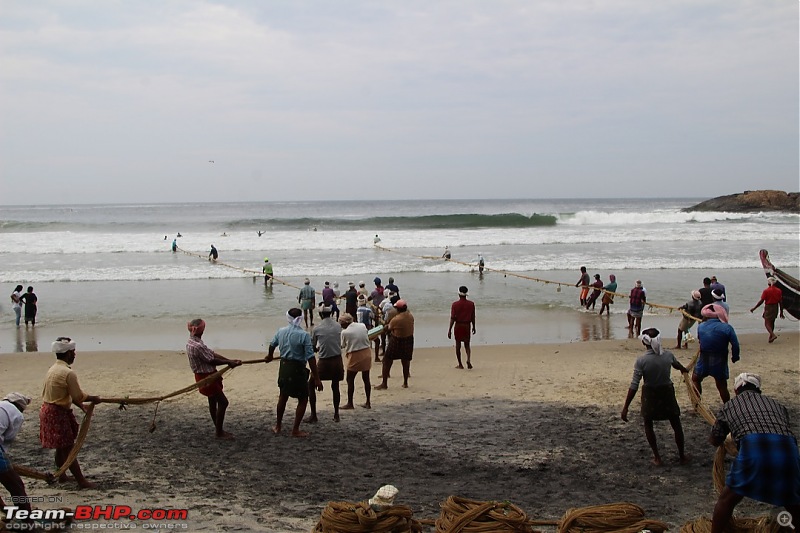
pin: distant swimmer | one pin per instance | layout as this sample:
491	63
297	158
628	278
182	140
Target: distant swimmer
179	234
260	233
446	254
213	254
224	234
376	240
210	161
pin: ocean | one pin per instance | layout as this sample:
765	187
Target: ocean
106	273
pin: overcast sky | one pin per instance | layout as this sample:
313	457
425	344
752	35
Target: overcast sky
129	101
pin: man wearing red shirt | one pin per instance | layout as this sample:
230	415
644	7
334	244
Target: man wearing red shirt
773	305
462	315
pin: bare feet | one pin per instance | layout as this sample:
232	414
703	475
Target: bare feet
685	460
460	367
772	338
381	387
310	420
65	478
225	436
347	407
277	429
85	484
657	461
678	347
300	434
366	405
469	366
405	385
336	417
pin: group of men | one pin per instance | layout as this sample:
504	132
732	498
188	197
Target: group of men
767	467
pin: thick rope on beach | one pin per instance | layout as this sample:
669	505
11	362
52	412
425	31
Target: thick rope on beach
470	516
83	431
347	517
764	524
620	517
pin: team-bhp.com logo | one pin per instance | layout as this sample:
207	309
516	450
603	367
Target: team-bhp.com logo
22	519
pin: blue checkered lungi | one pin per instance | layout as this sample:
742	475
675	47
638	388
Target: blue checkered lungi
767	469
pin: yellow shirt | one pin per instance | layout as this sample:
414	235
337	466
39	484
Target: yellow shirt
61	386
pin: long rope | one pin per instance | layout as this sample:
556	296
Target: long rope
559	284
83	431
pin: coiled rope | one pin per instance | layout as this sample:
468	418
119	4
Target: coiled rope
346	517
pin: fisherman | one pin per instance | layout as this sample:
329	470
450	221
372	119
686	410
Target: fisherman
213	254
58	428
767	467
267	270
294	346
658	393
203	362
11	419
772	298
714	335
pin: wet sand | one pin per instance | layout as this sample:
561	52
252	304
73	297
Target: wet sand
537	425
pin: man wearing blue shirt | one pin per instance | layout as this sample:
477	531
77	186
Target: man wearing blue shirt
715	334
294	346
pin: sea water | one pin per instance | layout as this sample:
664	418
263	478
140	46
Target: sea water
108	266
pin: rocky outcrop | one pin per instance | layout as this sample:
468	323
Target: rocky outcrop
752	202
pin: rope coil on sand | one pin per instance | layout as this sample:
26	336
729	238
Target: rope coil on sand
347	517
470	516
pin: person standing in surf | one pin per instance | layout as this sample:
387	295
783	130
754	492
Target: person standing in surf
583	283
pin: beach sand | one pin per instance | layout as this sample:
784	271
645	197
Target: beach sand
537	425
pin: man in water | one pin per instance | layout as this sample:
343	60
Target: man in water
174	245
705	292
295	348
583	283
462	316
693	308
636	303
267	270
715	334
772	298
481	264
767	467
327	342
446	255
597	286
213	254
203	362
608	294
58	427
658	393
308	301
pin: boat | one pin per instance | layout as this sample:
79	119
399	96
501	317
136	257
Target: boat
788	284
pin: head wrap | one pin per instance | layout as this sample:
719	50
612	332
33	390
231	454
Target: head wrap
361	283
401	304
351	284
362	300
653	342
346	319
294	321
745	378
325	308
717	295
18	399
63	345
715	311
771	280
196	330
462	290
696	295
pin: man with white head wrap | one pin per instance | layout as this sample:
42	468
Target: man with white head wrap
11	408
58	427
658	393
295	348
715	334
772	298
767	467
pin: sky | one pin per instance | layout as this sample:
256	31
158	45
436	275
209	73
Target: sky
189	100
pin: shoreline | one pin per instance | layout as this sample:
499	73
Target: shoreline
537	425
